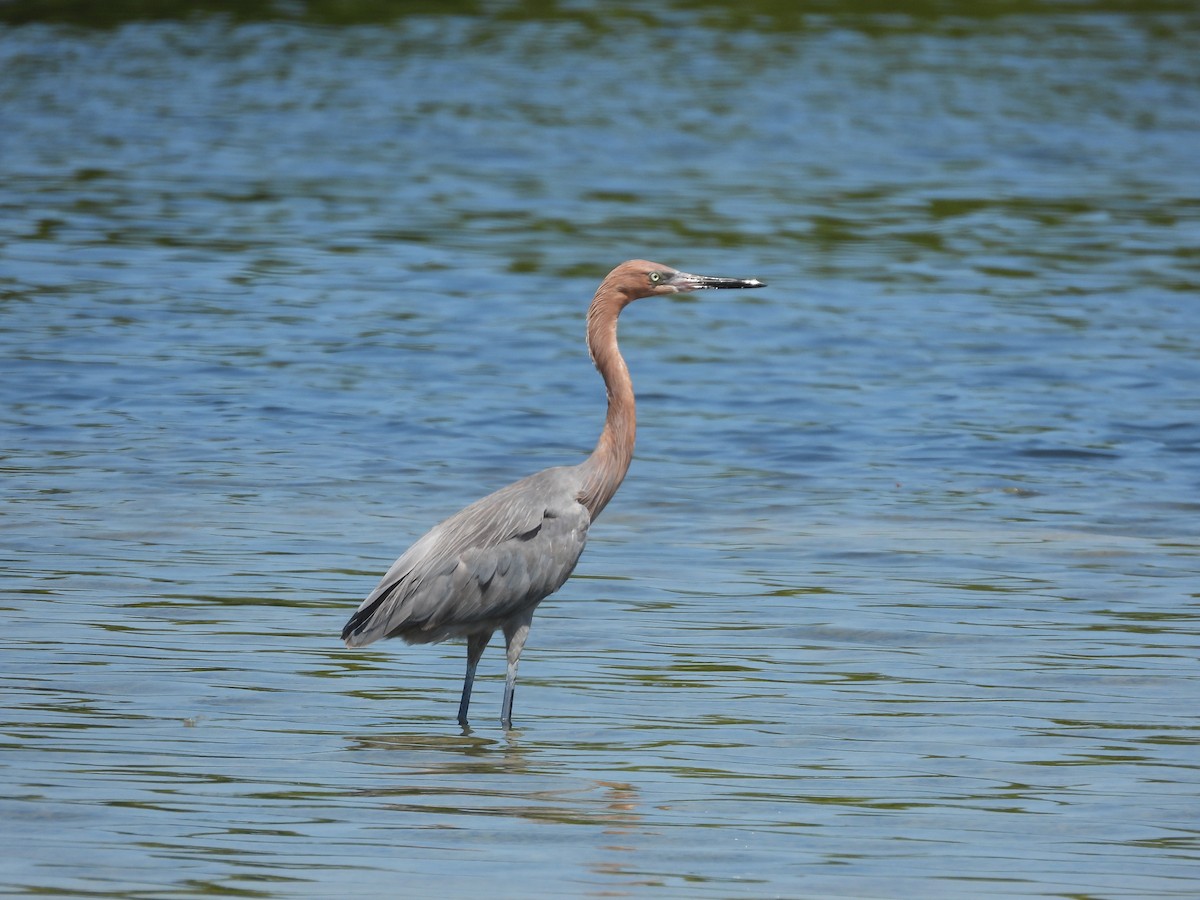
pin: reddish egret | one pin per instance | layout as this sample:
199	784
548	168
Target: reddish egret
490	565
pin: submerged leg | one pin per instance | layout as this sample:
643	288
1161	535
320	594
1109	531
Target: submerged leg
515	633
475	645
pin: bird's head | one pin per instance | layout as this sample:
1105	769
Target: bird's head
639	278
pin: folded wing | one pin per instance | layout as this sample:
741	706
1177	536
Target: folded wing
496	557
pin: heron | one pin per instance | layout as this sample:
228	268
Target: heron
488	566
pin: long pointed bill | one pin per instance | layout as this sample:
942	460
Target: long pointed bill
682	281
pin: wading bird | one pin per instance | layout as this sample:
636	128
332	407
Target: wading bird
488	566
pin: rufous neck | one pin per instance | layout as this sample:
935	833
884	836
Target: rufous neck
605	468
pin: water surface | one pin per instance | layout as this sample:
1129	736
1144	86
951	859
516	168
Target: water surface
900	597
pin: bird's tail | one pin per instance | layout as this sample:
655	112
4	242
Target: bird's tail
353	633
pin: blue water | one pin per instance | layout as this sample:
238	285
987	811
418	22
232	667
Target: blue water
901	597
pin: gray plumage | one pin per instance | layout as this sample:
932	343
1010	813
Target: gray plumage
497	557
487	567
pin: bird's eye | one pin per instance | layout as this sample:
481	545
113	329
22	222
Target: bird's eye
655	277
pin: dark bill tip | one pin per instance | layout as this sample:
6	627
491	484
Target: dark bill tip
686	282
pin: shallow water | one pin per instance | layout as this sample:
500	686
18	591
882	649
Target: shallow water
900	597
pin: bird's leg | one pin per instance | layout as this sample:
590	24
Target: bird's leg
475	645
515	633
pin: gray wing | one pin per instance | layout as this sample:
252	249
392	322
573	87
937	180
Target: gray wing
499	556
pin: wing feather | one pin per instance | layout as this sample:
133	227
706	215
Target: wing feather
497	557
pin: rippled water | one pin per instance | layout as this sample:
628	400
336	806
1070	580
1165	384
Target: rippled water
900	597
